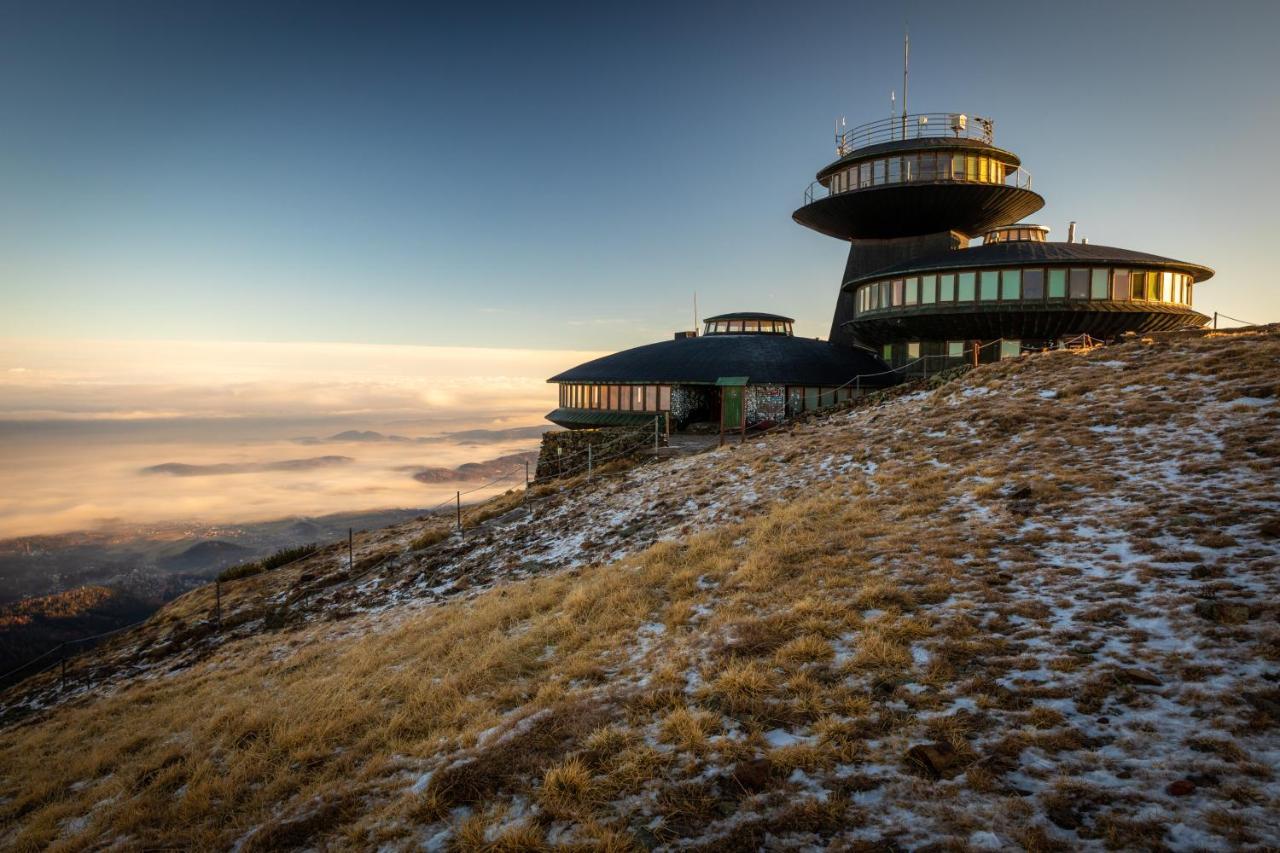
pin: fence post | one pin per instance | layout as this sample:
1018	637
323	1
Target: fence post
217	604
459	500
526	473
1215	319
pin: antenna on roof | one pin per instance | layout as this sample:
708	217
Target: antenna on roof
893	111
695	312
906	55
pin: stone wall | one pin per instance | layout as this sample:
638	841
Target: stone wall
565	451
766	404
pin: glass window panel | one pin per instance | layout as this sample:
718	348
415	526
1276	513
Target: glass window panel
955	349
884	294
1011	284
971	167
947	287
611	397
912	294
1098	288
957	167
1057	283
913	349
1033	284
929	289
1010	348
1190	287
1138	284
1120	285
751	326
965	282
897	292
990	288
886	352
895	169
864	174
878	173
1166	281
735	325
664	397
928	168
982	169
810	399
1078	284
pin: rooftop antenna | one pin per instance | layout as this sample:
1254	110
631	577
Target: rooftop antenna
893	111
906	56
695	312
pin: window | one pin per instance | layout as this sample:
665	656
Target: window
735	325
1033	284
810	399
957	167
895	170
886	352
1166	286
982	169
884	295
929	289
947	287
1120	285
965	286
664	397
955	349
913	349
611	397
1098	288
864	174
897	292
970	167
1010	348
928	170
1011	284
1138	284
1057	283
637	398
1078	284
990	285
912	295
878	172
1188	294
595	396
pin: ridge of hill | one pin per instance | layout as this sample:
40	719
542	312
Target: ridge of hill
1034	607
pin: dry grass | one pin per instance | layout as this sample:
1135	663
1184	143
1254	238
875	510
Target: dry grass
742	682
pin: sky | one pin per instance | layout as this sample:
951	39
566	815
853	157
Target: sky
567	176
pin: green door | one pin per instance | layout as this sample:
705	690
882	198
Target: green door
731	407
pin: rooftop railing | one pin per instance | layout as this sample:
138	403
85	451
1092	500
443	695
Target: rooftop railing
915	126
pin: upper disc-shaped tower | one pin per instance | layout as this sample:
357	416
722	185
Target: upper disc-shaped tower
918	174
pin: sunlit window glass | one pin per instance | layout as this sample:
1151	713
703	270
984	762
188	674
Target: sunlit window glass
929	289
990	285
1057	283
947	287
965	286
911	295
1033	284
1098	288
1120	285
1010	284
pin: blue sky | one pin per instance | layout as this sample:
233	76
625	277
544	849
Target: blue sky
567	175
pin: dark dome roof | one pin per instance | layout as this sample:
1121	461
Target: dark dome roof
748	315
1024	252
772	359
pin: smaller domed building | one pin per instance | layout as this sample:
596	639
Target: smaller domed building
746	369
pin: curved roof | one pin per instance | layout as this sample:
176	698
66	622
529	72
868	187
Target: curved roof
748	315
1022	253
763	359
916	208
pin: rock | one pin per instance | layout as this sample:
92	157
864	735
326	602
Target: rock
1139	677
1204	780
938	759
1180	788
753	775
1064	817
1223	612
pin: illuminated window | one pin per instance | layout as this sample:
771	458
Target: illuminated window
955	349
1098	288
1166	286
1057	283
1033	284
957	167
1078	284
971	167
929	289
1010	348
965	283
1120	285
1010	284
1138	284
1190	284
913	349
912	293
947	287
886	352
982	169
664	397
990	286
735	325
897	292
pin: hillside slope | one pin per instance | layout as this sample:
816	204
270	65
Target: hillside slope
1035	607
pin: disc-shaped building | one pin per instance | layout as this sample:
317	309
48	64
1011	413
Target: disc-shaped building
744	369
910	193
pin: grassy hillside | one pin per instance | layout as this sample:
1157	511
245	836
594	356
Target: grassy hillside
1036	607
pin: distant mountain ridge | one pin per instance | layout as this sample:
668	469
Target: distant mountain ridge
466	437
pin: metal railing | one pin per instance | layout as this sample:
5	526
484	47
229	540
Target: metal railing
1016	177
915	126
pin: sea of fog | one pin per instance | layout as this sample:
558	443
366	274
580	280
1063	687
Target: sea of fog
101	434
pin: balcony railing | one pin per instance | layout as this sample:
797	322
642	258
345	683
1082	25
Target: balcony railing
1014	177
915	126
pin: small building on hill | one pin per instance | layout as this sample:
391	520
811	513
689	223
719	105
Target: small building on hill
745	369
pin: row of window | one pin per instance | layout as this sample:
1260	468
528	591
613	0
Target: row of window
619	398
722	327
922	166
808	399
1013	285
937	350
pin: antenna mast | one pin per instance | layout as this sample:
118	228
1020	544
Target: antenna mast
906	56
695	312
